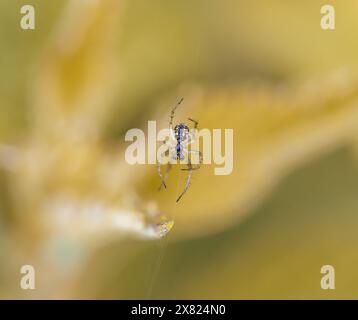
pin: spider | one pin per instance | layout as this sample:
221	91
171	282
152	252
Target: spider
182	136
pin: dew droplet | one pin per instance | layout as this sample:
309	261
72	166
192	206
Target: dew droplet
164	227
160	229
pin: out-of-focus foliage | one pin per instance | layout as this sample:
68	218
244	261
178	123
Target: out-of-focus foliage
73	208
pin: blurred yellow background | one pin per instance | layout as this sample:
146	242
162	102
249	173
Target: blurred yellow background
74	209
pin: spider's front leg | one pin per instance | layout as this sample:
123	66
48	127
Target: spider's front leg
192	132
196	123
172	113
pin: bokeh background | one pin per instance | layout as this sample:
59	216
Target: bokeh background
89	223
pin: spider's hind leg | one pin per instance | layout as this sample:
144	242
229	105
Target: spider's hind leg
187	183
161	177
195	166
169	166
190	170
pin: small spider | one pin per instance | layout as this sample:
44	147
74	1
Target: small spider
182	136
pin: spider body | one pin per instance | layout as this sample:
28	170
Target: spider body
182	135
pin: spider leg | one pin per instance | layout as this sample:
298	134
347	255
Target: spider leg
192	132
161	177
190	169
187	183
172	113
159	171
191	137
196	123
196	166
169	166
